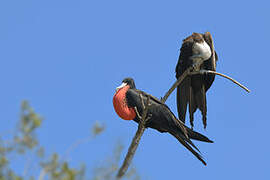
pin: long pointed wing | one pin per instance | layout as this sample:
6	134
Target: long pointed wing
133	99
209	40
185	54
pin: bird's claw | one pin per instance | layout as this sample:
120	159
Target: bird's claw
203	71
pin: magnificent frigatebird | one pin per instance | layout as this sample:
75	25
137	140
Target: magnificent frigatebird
195	48
127	97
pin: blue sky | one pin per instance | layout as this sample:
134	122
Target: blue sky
67	57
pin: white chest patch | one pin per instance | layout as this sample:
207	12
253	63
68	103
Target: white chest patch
202	51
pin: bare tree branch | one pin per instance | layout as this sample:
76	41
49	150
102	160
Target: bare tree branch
188	72
75	145
42	174
222	75
177	83
136	139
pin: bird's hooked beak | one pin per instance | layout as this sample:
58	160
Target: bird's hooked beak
121	86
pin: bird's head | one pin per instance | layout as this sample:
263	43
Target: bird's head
197	37
201	50
127	82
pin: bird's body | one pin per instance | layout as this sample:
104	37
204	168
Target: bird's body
160	116
195	49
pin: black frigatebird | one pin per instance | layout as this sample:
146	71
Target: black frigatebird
161	118
195	48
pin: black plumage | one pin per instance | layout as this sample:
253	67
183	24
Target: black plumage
162	118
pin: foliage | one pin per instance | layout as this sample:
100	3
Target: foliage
24	142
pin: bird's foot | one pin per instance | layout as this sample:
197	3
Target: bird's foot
203	71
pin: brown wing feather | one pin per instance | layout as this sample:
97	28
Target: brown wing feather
209	40
183	91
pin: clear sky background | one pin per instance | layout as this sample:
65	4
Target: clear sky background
66	57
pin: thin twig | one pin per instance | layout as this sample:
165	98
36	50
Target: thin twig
136	139
75	145
42	174
27	165
223	75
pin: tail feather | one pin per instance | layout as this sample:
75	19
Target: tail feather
184	135
181	138
182	130
191	92
201	103
197	136
182	98
193	145
192	106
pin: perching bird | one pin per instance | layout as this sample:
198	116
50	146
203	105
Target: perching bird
127	98
195	48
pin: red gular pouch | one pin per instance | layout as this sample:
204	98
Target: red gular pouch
120	104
